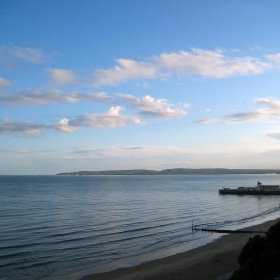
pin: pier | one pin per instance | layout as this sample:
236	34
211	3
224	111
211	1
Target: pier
260	189
250	192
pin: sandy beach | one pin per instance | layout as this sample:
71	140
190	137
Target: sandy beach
208	262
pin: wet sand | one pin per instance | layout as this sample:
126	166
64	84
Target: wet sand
208	262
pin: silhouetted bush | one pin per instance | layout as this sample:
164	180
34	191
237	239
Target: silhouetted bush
273	234
260	257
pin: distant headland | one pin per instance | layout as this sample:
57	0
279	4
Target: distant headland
176	171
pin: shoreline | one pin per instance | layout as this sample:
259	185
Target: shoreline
210	261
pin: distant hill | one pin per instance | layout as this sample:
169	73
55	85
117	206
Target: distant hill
176	171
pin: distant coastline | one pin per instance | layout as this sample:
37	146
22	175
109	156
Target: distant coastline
175	171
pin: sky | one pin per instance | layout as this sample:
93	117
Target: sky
123	84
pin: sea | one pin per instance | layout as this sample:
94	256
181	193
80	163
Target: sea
63	227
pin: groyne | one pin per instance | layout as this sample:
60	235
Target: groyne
226	230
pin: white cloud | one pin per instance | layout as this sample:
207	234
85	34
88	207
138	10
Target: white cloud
268	114
274	58
270	103
17	151
65	126
109	152
213	64
186	105
4	82
141	152
11	127
36	97
146	105
62	77
207	121
125	70
197	62
110	119
274	134
150	106
30	55
99	97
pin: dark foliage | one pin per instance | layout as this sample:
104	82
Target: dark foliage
260	257
273	234
252	249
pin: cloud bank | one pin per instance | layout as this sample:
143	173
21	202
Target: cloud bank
110	119
37	97
270	113
206	64
146	106
27	128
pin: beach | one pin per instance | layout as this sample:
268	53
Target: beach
211	261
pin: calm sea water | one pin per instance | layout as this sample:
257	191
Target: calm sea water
58	225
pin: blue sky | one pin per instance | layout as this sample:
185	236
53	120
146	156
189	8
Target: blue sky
101	85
